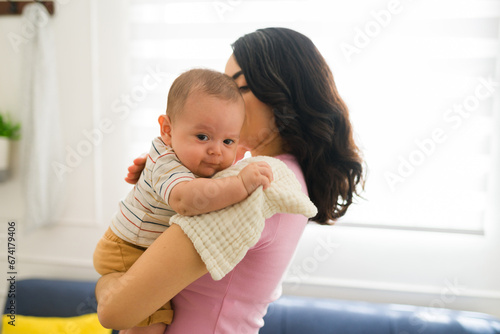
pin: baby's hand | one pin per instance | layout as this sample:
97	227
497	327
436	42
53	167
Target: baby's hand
256	174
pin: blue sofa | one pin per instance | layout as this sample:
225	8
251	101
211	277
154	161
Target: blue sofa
288	315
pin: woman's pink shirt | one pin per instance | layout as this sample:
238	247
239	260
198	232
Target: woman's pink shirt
237	303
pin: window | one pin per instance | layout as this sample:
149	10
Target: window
428	87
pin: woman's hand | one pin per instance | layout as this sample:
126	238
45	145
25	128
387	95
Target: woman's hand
135	170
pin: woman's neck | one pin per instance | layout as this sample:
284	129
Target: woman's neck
270	148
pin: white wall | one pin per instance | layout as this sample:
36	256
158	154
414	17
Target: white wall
72	33
405	267
63	251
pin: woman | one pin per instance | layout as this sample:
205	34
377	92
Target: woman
293	113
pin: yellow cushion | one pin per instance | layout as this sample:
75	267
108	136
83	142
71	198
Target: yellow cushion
84	324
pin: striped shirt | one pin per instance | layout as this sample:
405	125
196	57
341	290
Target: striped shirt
145	213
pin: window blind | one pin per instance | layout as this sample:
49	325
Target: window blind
418	78
422	101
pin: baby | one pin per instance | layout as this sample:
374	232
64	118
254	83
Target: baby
199	137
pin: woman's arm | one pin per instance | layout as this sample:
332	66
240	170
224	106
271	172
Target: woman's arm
169	265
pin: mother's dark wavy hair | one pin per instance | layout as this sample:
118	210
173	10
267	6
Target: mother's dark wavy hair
285	70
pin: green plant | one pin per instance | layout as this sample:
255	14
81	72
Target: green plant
9	128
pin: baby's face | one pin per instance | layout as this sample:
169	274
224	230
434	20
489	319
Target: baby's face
205	134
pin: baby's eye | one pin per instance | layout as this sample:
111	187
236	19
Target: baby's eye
228	141
202	137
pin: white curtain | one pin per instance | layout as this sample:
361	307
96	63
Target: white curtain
41	129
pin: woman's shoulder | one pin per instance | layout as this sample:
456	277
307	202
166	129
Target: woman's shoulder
286	158
289	160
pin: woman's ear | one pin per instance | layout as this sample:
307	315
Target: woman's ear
165	129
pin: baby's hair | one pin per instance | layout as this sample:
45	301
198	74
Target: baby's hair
206	81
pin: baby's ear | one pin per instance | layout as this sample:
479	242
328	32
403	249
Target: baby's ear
165	129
